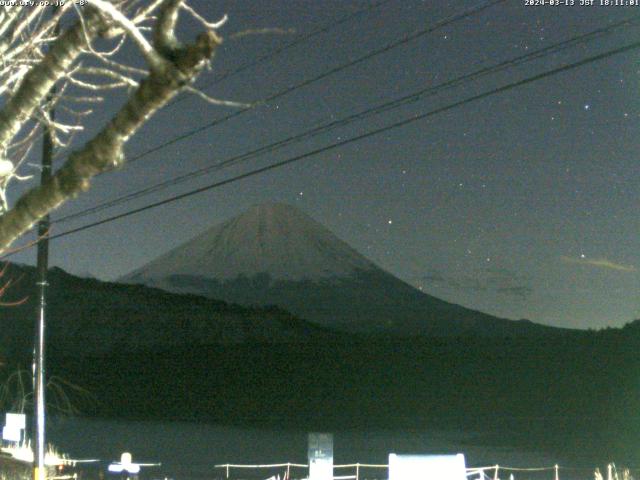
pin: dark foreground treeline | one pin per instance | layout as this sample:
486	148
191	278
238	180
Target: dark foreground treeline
578	393
148	354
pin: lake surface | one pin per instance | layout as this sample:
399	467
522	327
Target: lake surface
191	450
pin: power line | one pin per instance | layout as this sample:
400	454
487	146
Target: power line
278	51
357	138
406	39
442	23
381	108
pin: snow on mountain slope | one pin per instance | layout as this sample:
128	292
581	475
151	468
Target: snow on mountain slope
272	238
274	254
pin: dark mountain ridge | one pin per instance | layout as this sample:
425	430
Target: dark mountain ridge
87	316
273	254
148	354
366	297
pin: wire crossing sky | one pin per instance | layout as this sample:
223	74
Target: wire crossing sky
365	135
374	111
510	188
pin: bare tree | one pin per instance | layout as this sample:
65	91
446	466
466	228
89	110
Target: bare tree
64	397
81	59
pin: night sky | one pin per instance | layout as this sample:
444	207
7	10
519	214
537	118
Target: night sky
522	204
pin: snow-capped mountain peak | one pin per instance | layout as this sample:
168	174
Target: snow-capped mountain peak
274	254
274	239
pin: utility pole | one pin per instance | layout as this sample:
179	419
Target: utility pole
39	381
39	442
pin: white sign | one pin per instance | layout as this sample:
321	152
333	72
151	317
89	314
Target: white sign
16	420
12	434
15	423
320	456
427	467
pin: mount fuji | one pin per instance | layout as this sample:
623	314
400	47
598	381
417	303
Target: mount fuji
273	254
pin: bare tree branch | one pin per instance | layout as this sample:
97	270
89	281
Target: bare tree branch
117	16
38	81
177	69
